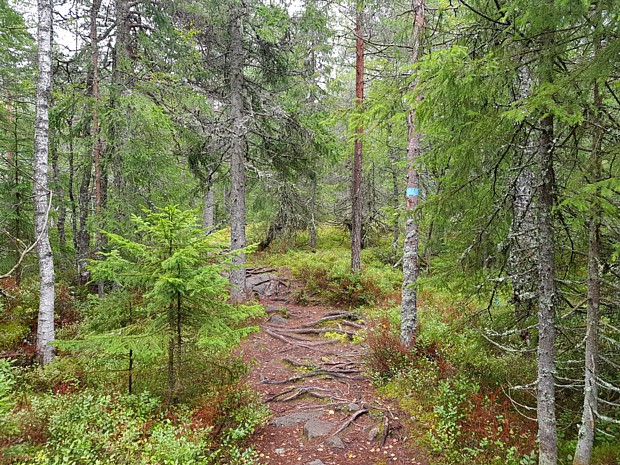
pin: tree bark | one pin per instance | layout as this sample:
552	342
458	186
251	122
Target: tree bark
238	153
312	229
41	192
545	396
395	203
209	210
356	189
62	210
587	429
83	236
547	298
409	317
522	258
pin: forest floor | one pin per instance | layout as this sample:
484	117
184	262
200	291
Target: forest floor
308	365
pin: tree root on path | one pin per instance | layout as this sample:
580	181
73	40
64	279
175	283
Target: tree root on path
334	374
292	340
351	419
318	331
300	391
336	316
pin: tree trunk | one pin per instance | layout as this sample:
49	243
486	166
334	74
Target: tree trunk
94	46
522	258
74	216
312	226
62	210
545	396
238	152
356	190
547	298
409	316
395	203
83	236
209	210
587	430
41	193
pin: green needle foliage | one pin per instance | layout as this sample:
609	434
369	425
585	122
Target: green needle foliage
173	296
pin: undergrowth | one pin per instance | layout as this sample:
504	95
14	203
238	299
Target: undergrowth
326	275
88	426
464	420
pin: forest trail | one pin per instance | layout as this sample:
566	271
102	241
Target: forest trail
324	407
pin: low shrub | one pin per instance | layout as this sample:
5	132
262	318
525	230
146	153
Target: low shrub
449	382
93	428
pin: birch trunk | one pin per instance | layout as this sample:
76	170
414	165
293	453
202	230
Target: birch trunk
356	189
41	193
409	317
238	149
587	429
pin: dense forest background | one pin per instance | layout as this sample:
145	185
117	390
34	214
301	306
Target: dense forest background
447	168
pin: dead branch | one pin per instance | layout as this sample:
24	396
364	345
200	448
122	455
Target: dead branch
33	245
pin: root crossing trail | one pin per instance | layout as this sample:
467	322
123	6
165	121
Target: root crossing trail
325	410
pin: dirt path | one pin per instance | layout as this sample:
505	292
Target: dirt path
325	409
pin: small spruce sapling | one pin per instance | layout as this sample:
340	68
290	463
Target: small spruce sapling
180	299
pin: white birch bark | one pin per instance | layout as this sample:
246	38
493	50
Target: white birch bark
409	310
41	192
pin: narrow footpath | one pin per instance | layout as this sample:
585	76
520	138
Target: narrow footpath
310	372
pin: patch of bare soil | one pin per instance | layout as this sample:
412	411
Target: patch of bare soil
324	407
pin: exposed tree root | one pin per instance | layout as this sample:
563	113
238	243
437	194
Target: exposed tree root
334	374
297	341
317	331
386	430
350	420
332	317
301	391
